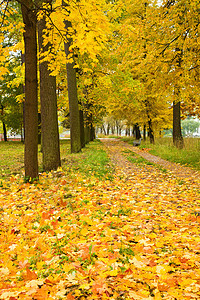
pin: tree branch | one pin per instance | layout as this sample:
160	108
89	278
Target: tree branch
4	15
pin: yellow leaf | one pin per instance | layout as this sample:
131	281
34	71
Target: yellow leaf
113	273
67	267
85	286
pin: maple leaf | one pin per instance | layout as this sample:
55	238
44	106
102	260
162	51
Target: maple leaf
29	275
99	286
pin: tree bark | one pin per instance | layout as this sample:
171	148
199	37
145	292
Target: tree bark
23	104
144	133
108	129
82	131
177	135
151	135
31	95
4	132
137	132
73	97
49	116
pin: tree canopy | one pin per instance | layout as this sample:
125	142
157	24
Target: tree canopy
133	59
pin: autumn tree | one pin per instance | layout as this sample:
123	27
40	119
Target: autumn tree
131	89
48	101
10	108
75	131
82	27
31	89
177	52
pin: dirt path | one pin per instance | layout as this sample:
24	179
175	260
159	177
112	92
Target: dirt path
116	147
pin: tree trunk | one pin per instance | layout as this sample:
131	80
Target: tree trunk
104	130
31	96
4	132
49	116
87	134
113	129
23	104
39	129
82	131
92	132
177	135
73	97
117	127
144	133
151	135
137	132
108	129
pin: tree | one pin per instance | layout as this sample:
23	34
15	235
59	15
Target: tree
190	126
134	91
31	90
84	36
72	94
10	108
48	103
177	52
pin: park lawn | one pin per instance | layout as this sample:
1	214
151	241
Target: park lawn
92	160
12	157
86	232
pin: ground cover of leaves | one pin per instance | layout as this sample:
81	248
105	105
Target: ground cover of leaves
75	237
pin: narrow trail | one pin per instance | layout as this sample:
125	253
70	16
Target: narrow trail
70	236
115	148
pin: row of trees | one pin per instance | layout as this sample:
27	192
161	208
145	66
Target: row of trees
136	61
40	20
156	55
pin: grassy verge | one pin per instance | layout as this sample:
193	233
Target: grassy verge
138	160
163	147
11	158
91	161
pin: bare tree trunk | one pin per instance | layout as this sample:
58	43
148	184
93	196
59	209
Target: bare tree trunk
31	95
49	116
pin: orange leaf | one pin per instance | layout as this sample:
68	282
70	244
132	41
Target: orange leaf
41	294
70	296
30	275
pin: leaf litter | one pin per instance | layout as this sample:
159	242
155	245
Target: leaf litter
75	237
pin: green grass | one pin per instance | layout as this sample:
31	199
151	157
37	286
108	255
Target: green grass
163	147
11	158
91	161
138	160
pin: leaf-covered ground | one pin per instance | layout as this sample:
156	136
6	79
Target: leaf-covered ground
79	237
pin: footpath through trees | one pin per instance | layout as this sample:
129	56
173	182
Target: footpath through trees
74	237
115	147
